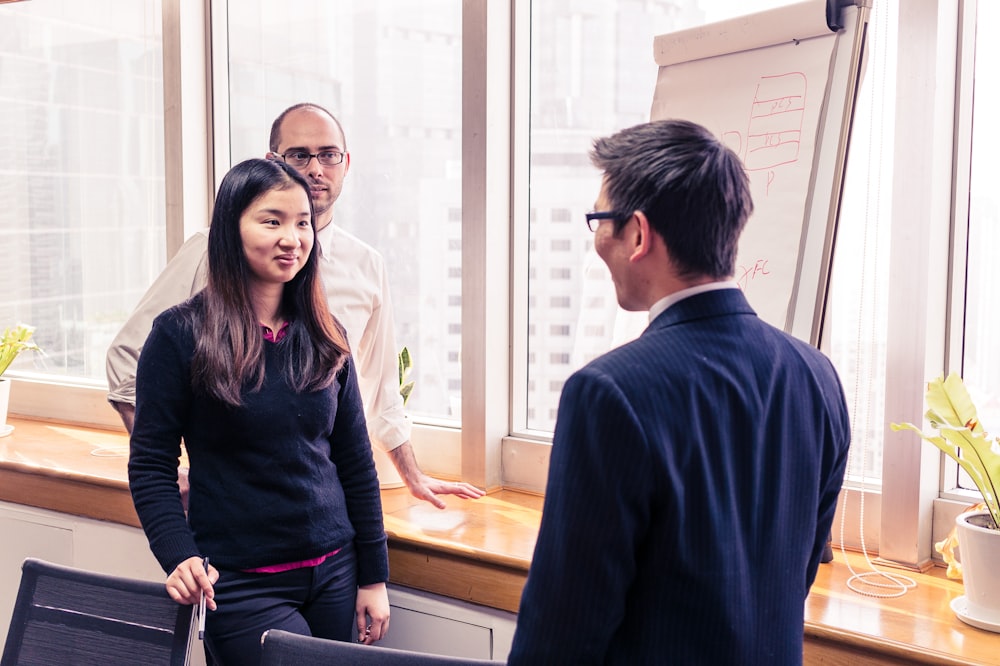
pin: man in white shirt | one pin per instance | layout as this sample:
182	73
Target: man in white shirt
309	138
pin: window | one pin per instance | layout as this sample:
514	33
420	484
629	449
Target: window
587	79
561	215
82	179
83	118
560	302
392	75
569	102
981	358
857	312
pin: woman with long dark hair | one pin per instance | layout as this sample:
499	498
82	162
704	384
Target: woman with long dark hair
255	375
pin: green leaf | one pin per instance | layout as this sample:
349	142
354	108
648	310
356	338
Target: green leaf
405	390
961	436
949	402
15	340
405	365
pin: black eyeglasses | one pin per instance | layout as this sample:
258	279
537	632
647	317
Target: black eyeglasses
300	158
604	215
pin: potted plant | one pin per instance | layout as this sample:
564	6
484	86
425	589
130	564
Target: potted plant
15	340
961	436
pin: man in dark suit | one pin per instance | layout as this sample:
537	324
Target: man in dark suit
694	471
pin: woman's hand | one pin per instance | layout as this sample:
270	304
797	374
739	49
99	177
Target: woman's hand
372	609
186	582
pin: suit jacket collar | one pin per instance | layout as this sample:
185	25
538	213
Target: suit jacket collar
720	302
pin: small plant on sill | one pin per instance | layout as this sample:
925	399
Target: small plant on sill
15	340
961	436
405	366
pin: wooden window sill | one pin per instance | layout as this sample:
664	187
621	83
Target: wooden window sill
474	551
919	627
479	551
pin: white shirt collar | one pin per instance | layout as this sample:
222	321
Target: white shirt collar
672	299
325	237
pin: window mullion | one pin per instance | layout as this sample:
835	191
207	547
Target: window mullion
919	271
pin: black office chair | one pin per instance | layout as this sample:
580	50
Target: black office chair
70	617
282	648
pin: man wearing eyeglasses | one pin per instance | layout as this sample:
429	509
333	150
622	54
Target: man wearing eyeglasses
311	139
694	471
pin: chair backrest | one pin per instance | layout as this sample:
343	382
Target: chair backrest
65	617
282	648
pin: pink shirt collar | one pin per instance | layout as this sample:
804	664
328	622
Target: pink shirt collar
271	336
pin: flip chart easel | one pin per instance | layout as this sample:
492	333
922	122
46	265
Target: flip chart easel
779	87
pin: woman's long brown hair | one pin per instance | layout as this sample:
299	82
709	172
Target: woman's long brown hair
229	347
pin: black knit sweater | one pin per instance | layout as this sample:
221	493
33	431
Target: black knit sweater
283	478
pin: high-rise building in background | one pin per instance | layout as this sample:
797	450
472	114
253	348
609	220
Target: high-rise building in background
592	73
392	73
81	129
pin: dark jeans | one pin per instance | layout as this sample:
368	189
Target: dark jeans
312	601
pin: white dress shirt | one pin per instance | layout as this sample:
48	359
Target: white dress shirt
657	308
357	290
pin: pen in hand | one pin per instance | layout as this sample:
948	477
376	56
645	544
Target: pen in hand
201	608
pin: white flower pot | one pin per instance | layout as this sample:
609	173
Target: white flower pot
4	400
979	552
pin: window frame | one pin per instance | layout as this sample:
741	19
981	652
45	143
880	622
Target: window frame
953	499
188	194
492	448
898	516
923	308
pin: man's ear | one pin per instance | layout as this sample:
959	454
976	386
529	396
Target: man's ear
643	238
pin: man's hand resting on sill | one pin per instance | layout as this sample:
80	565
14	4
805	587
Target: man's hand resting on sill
424	487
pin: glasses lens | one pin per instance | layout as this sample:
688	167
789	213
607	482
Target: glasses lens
297	158
330	158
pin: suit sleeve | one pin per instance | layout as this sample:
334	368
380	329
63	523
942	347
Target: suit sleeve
596	512
184	276
836	442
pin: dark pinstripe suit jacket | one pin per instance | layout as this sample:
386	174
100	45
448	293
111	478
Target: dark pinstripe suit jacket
692	484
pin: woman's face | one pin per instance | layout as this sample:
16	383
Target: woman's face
277	234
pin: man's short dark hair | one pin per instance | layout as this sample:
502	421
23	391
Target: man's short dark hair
691	187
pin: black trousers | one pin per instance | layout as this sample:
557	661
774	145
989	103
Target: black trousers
312	601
